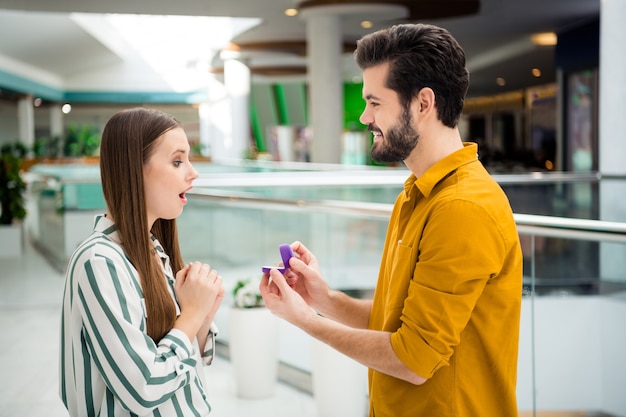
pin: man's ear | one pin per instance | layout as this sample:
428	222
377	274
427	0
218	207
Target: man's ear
426	101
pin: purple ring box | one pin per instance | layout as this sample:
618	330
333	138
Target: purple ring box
285	253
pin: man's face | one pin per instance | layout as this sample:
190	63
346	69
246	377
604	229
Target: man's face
392	124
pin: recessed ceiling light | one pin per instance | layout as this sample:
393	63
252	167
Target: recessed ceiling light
500	81
536	72
544	39
291	12
366	24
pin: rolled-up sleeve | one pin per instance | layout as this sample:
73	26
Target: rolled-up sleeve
448	279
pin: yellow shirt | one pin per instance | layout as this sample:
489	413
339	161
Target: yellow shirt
449	289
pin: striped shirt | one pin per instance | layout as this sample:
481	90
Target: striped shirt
109	366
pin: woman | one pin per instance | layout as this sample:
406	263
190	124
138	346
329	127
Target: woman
135	333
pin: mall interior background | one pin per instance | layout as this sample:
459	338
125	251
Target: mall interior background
554	145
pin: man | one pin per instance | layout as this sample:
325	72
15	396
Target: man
440	337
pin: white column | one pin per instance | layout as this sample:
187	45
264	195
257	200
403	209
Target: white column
205	123
56	121
26	120
324	48
237	83
218	120
612	146
612	87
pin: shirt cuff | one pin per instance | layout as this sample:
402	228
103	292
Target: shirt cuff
178	342
209	346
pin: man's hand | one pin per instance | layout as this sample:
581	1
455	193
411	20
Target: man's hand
282	300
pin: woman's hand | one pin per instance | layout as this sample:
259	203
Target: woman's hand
199	291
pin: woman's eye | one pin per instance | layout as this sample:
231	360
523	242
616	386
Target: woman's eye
177	162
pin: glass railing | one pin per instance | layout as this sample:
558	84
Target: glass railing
572	228
574	296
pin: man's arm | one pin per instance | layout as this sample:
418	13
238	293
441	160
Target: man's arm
352	312
369	347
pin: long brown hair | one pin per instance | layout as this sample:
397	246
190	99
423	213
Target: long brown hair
127	145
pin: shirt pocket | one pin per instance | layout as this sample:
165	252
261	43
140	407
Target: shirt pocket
402	267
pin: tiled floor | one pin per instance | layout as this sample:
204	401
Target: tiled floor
30	302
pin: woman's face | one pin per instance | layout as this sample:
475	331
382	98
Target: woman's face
167	176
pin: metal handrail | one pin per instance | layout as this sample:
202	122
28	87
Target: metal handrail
530	224
373	177
341	175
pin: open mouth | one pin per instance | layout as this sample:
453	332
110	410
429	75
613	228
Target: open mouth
183	195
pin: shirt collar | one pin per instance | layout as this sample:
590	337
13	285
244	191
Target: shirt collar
441	169
107	227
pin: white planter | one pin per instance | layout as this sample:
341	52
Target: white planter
11	241
253	345
339	383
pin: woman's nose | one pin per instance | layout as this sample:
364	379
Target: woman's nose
193	174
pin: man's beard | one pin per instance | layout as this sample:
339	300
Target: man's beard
398	143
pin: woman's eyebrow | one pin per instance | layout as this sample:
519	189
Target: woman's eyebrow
175	151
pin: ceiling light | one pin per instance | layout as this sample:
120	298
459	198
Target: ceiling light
536	72
186	39
500	81
66	108
366	24
544	39
291	12
232	51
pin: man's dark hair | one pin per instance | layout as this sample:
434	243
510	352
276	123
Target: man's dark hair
419	56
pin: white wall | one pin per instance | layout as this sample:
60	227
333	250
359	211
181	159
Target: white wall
613	333
568	353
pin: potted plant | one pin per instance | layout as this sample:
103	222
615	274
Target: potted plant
12	202
246	294
81	142
253	342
